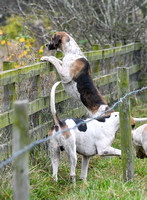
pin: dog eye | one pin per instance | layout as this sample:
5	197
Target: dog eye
115	115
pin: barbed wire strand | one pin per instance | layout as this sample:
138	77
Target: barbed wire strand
37	142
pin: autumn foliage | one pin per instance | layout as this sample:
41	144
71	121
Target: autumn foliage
20	48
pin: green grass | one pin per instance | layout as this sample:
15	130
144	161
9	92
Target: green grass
104	179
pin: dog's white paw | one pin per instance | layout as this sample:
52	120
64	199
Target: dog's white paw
53	60
44	58
52	57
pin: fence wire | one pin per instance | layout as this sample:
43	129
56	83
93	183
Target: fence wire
37	142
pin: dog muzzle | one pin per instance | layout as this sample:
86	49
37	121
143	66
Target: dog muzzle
51	46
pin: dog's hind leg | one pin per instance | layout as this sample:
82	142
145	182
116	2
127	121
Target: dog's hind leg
55	156
73	162
72	157
84	169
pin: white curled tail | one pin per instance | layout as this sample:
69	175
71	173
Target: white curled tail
52	103
140	119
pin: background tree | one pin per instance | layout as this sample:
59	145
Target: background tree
88	21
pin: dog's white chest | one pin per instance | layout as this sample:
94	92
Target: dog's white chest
69	59
70	86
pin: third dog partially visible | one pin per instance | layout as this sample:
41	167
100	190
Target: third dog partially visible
140	141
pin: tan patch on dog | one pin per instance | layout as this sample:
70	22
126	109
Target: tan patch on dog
67	133
89	72
50	133
132	121
76	68
145	128
54	128
64	37
94	109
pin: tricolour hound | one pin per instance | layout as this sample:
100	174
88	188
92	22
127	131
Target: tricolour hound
88	139
75	73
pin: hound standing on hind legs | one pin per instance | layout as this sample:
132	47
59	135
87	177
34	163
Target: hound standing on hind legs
91	137
75	73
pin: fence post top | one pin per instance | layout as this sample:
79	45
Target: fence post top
20	102
122	67
21	105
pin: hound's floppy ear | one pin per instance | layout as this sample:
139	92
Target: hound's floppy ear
57	40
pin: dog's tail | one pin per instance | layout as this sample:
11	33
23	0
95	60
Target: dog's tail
140	119
52	103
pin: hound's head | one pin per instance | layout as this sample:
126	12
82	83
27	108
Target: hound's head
132	123
57	40
115	116
114	121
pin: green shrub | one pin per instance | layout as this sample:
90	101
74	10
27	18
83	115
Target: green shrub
13	27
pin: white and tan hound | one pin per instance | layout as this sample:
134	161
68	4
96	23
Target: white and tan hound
140	141
88	139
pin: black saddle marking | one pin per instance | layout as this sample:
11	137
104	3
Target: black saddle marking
102	119
62	148
81	127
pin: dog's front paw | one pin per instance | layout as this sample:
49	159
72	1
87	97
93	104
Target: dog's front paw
44	58
52	57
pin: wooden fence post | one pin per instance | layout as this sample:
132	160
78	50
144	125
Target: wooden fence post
8	99
9	90
20	140
125	125
95	64
38	95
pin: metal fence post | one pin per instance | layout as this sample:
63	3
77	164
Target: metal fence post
125	125
20	140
